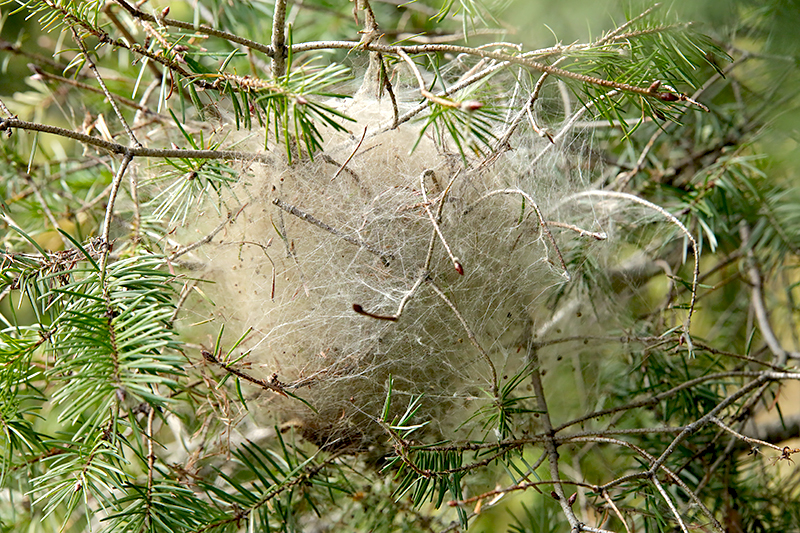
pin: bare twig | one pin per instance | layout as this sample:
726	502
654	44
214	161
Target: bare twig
279	40
205	240
749	440
292	210
273	385
105	90
665	96
434	220
670	504
112	200
674	220
542	222
550	445
611	504
470	334
353	153
199	28
596	235
11	123
757	300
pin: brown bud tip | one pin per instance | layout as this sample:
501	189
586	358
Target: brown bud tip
358	309
470	105
165	12
300	100
572	498
654	86
669	97
554	495
459	268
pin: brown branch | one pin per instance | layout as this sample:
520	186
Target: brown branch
550	445
86	87
88	58
652	91
292	210
757	301
7	124
273	385
199	28
279	40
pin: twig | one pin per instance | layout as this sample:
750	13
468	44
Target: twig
205	240
470	334
650	91
596	235
425	271
762	378
542	223
292	210
408	295
670	504
199	28
271	262
749	440
514	488
274	385
570	123
106	92
757	300
352	154
387	84
674	220
650	474
11	122
613	506
466	82
658	397
550	446
434	220
112	200
279	40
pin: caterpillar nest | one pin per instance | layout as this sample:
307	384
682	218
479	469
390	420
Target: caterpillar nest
374	263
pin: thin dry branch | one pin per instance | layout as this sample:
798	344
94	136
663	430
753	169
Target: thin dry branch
757	301
470	334
670	504
292	210
87	57
550	445
542	223
279	40
11	123
273	385
674	220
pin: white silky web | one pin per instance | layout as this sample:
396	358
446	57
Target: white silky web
315	242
